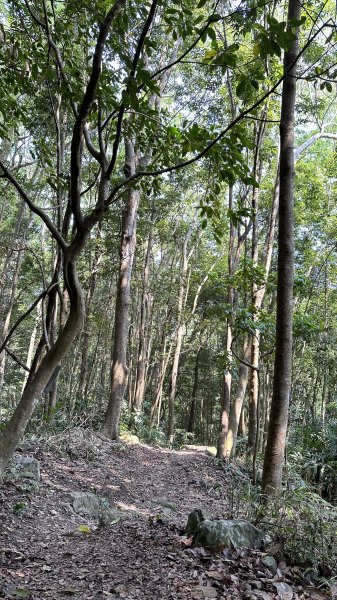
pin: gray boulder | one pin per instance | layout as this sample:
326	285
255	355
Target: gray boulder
27	467
235	533
195	518
87	504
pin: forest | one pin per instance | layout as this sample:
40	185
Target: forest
168	312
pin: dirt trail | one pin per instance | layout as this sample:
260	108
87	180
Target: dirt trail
44	556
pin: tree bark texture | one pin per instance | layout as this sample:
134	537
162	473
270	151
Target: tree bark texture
275	448
11	436
119	371
143	331
256	297
193	408
225	396
236	409
180	331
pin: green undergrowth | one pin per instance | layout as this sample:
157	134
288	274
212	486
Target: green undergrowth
300	521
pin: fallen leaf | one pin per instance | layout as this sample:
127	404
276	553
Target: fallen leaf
201	592
215	575
21	593
84	529
186	541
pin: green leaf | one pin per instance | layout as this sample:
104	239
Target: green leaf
21	593
276	48
256	49
201	3
84	529
297	22
242	88
211	33
209	54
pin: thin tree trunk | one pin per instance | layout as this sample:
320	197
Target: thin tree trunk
119	370
274	455
143	331
86	327
30	352
193	408
227	377
256	297
180	331
225	403
10	307
173	385
156	407
236	410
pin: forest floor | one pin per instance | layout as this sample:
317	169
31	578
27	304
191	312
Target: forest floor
48	551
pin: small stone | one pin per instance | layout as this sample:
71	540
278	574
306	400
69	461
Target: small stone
165	503
284	590
110	517
27	467
264	596
200	592
86	503
256	585
270	563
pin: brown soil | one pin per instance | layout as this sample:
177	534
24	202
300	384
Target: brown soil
143	556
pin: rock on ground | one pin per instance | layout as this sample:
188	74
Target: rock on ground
235	533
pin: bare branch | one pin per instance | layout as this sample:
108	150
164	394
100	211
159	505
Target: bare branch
25	314
17	360
88	99
34	208
121	111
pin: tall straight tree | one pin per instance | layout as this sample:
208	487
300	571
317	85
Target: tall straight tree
274	455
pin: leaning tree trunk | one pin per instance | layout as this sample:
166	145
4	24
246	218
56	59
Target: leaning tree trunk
119	366
11	436
274	454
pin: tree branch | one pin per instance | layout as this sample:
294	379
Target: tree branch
219	137
132	74
34	208
17	360
88	99
25	314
